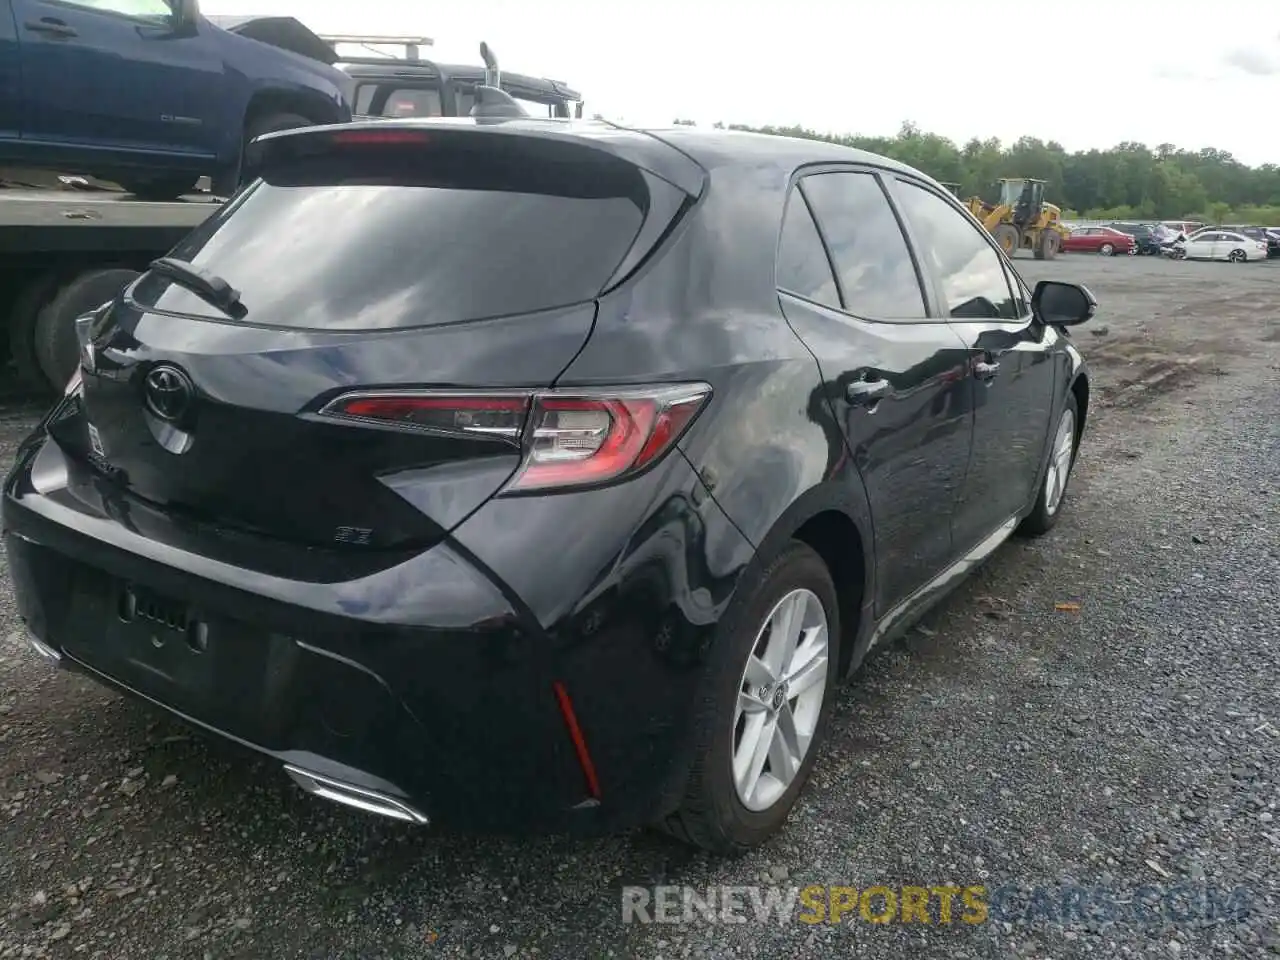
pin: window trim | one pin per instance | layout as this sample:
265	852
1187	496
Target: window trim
145	20
927	293
793	192
1012	279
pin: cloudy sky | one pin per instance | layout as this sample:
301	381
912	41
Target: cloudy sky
1182	71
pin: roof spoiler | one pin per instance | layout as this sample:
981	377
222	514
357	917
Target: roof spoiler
492	102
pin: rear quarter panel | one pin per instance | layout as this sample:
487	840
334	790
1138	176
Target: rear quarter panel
630	581
708	311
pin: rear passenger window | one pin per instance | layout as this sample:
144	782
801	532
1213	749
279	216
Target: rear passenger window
972	272
803	267
874	266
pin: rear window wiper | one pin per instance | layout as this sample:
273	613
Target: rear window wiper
209	287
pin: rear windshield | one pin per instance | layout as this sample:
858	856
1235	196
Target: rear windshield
377	237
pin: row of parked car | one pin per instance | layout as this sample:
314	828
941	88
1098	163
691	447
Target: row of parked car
1180	240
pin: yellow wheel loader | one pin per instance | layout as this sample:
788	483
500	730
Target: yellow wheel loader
1021	219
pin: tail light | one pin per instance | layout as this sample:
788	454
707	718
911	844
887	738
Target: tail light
567	438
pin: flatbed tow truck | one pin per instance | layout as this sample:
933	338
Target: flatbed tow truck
70	244
65	250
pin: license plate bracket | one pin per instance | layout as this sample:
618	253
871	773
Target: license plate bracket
161	637
213	668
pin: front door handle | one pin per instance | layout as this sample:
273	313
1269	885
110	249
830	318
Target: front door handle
866	392
54	28
984	370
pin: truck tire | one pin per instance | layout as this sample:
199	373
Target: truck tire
158	188
228	179
1049	245
1009	238
22	330
56	350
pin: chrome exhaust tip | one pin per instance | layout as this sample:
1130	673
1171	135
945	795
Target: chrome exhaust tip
45	651
370	801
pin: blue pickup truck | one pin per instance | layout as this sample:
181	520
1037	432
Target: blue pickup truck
150	94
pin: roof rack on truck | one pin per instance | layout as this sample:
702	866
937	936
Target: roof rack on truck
411	46
386	86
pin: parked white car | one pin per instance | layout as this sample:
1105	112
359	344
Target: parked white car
1222	245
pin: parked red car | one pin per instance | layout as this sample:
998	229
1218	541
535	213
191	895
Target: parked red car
1107	241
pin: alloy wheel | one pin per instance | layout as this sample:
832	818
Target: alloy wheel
1055	480
780	699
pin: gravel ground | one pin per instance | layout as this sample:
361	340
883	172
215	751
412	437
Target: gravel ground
1132	740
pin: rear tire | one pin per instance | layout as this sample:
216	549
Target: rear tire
1237	256
1049	245
712	814
22	330
1107	250
1063	444
56	349
226	182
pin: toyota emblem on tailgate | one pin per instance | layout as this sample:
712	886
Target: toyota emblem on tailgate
168	392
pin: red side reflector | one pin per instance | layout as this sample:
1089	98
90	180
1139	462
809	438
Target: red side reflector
579	742
353	137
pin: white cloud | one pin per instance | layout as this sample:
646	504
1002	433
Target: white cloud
1259	63
1090	73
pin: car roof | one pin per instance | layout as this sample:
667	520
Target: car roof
662	150
741	181
717	147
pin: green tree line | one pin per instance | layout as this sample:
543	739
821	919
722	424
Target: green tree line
1128	181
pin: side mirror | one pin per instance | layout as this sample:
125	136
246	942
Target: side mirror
185	13
1059	304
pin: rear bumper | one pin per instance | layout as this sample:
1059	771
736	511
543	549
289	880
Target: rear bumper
427	691
458	723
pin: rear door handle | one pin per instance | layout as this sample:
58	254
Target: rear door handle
866	392
54	28
985	371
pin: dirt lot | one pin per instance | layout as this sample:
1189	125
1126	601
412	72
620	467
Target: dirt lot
1162	323
1100	707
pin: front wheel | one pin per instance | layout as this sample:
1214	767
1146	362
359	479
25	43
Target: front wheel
1007	235
1062	457
765	706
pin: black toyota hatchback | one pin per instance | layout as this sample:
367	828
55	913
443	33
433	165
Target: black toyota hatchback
542	475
